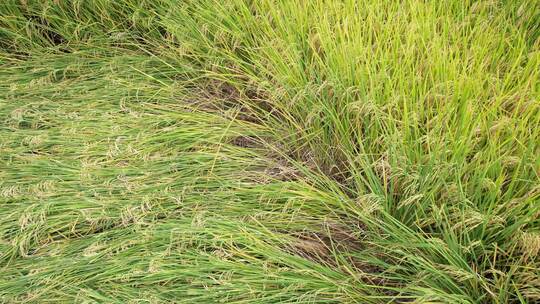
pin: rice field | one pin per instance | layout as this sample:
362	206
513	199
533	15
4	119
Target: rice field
270	151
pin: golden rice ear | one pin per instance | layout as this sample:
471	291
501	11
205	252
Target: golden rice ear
511	162
315	43
470	219
528	283
460	274
411	200
529	243
369	204
452	193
